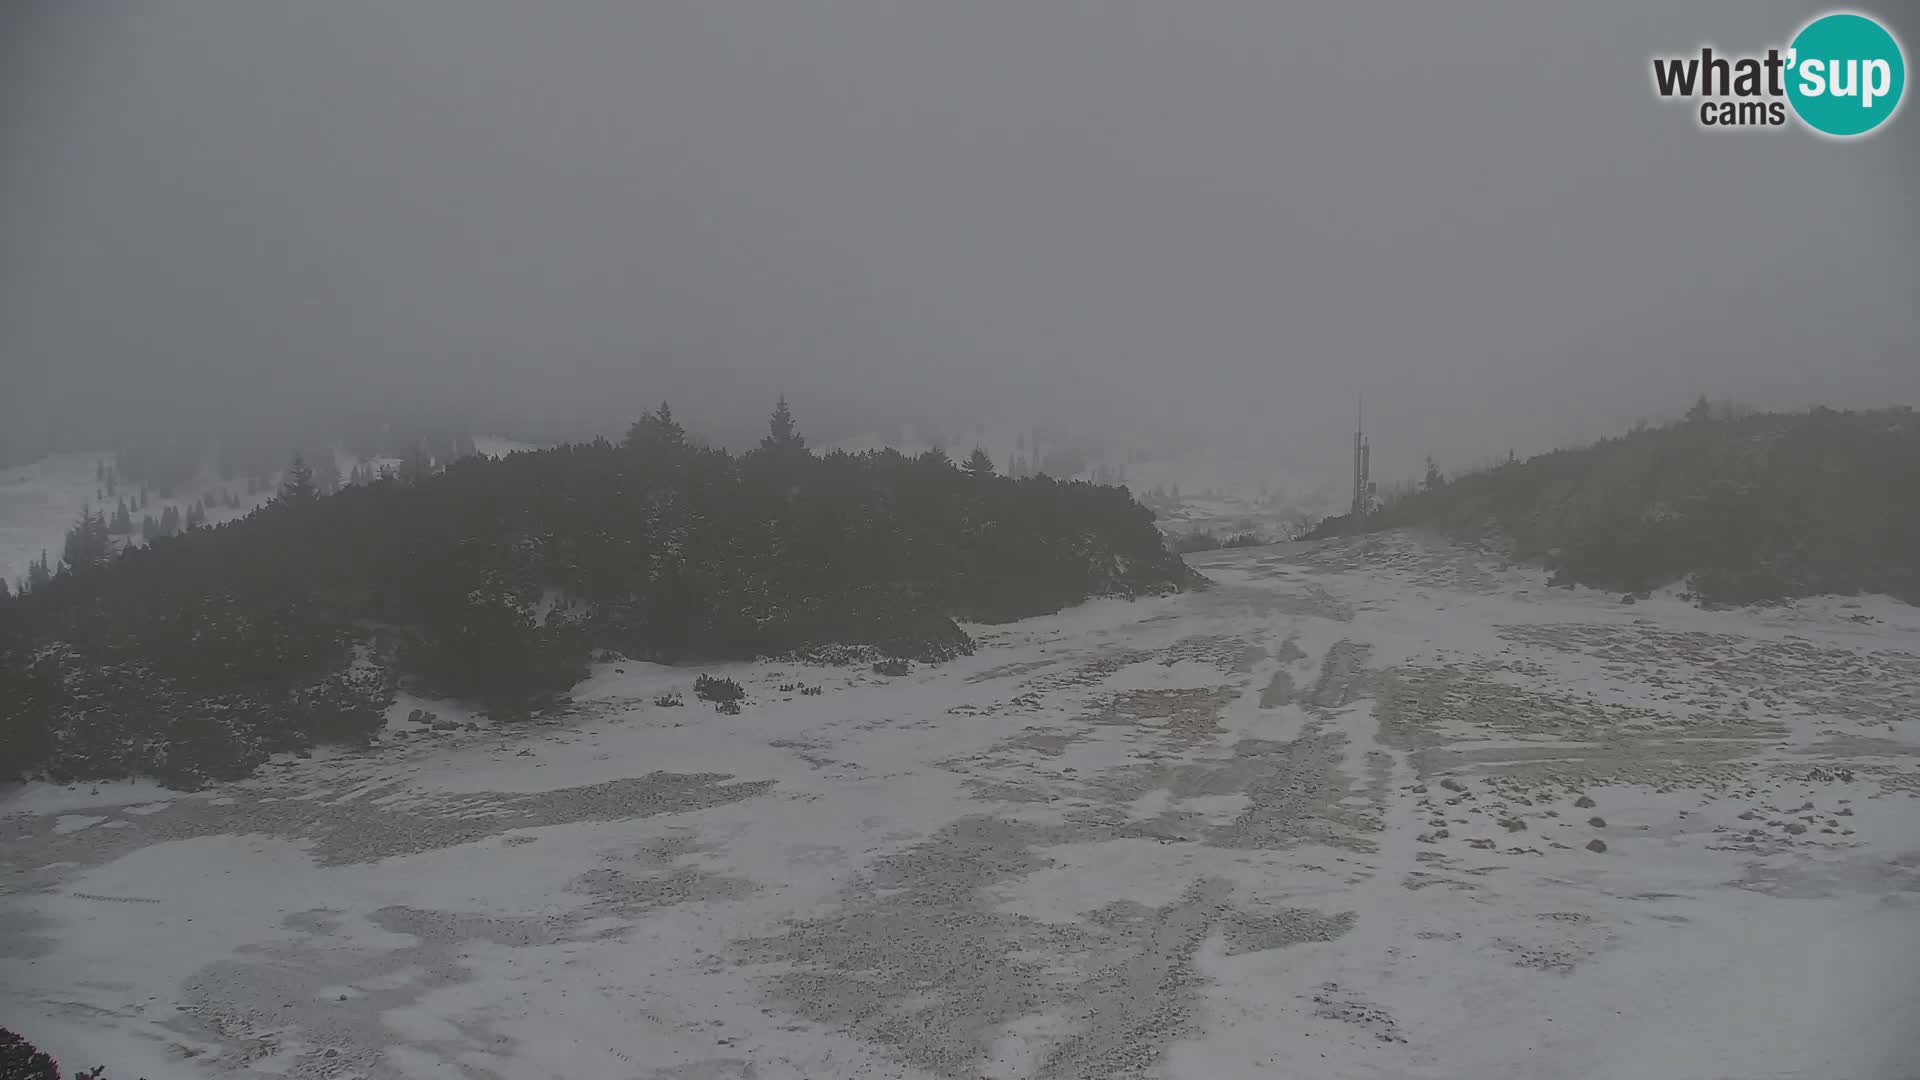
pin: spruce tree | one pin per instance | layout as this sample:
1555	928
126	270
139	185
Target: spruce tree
1701	412
39	573
149	528
979	463
782	438
297	488
88	544
658	432
170	521
122	520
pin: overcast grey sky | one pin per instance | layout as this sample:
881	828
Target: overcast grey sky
1217	217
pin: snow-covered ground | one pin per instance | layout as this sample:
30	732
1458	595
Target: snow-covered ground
38	503
495	446
1370	808
1227	514
41	501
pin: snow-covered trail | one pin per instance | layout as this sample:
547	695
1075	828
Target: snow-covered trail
1330	818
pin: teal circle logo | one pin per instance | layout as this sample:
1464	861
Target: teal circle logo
1846	74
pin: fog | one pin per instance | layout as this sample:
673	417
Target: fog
1177	222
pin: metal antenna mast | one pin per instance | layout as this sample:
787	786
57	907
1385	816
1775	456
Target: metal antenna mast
1362	461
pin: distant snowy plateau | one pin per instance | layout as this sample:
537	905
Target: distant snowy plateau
1369	808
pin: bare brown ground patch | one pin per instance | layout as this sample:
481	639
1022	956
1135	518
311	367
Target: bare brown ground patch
356	830
1185	715
1437	715
918	959
1730	677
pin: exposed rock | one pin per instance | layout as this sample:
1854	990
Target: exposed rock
1514	824
1597	822
1596	845
1585	803
1452	785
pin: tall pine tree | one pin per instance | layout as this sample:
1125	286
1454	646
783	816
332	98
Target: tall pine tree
979	463
88	545
297	488
39	573
658	432
782	437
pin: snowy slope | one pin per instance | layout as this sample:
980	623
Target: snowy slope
39	502
1328	819
496	446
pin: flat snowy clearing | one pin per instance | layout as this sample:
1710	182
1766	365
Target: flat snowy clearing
1378	808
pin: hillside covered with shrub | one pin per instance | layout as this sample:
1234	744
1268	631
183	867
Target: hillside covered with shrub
494	581
1741	509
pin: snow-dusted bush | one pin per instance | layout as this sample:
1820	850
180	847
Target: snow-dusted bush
719	691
